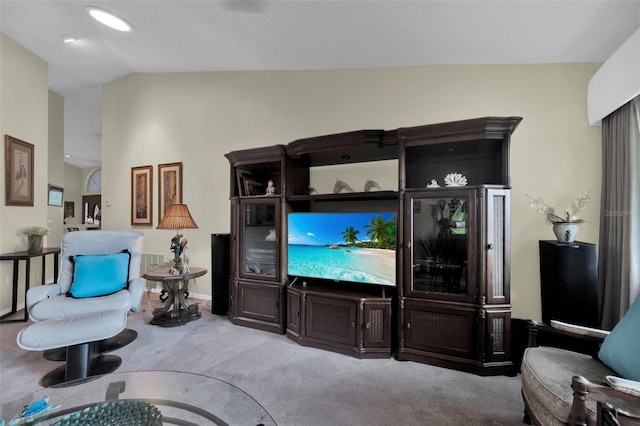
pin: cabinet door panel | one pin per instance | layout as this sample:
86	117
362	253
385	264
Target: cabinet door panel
234	240
259	301
440	231
259	234
441	329
498	342
293	311
497	246
233	297
377	324
332	320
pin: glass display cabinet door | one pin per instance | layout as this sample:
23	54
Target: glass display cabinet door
259	244
440	236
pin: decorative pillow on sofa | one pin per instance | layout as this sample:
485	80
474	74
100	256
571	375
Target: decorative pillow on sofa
621	347
99	275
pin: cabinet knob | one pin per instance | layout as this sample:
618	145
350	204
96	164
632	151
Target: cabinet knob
408	325
353	324
490	246
298	313
408	244
367	325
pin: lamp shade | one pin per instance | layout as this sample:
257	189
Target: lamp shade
177	217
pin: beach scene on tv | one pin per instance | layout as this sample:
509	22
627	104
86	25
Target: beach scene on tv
355	247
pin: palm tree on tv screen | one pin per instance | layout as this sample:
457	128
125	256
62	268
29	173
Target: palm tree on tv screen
349	235
382	233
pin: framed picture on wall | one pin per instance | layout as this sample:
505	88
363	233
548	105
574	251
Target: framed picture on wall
55	196
169	186
141	196
18	157
69	209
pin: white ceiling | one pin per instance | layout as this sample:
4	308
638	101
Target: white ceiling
222	35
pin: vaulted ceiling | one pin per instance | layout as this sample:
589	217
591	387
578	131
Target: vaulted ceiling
223	35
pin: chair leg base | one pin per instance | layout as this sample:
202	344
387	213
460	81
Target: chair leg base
104	364
84	361
58	354
118	341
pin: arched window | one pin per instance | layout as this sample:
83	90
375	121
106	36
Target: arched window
95	181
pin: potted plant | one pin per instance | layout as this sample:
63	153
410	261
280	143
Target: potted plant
565	227
34	237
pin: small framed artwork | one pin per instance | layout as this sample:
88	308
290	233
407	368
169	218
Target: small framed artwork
252	187
141	196
69	209
241	175
55	196
18	157
169	186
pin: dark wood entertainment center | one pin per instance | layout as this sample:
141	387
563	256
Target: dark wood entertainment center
451	303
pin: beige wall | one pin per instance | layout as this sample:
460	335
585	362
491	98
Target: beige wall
195	118
56	166
24	102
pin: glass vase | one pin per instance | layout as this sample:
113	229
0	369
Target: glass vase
34	243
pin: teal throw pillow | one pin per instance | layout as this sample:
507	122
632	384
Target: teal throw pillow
620	350
99	275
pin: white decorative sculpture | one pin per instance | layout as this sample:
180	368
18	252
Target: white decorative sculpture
271	236
271	189
455	179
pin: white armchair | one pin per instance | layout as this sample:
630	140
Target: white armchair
52	300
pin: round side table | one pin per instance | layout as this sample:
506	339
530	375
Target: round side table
176	311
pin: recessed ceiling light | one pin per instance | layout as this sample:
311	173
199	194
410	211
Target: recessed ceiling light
109	19
69	39
67	156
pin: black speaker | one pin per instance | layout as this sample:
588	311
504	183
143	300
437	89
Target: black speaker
569	282
220	264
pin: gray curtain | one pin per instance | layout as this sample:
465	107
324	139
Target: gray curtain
619	248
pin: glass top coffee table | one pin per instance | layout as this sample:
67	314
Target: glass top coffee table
177	398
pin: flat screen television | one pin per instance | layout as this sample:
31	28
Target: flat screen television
346	247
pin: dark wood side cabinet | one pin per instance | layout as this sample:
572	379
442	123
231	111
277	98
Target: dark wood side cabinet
454	305
258	269
455	311
569	282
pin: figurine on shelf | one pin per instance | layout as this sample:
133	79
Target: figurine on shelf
370	184
271	189
433	184
271	236
341	186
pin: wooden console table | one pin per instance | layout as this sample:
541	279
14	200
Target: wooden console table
176	310
16	257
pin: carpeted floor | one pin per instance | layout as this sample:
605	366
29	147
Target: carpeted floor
298	386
